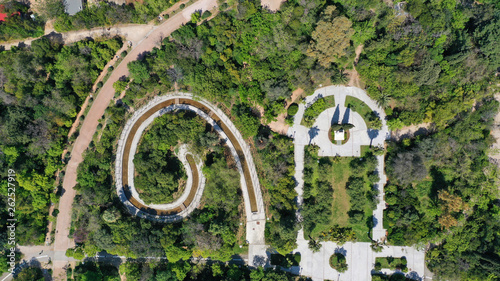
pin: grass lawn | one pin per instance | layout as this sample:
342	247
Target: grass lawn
340	197
391	263
358	106
313	111
371	119
341	202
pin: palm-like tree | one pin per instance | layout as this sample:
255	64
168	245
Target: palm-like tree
383	99
339	77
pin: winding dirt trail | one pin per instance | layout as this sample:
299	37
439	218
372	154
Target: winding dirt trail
153	38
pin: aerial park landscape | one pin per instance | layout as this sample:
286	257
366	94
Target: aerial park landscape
240	140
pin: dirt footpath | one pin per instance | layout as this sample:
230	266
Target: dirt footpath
495	132
272	5
131	32
62	242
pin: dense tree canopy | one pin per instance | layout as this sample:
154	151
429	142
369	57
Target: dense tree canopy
41	89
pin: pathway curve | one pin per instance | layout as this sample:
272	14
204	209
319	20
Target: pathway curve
124	168
360	257
101	102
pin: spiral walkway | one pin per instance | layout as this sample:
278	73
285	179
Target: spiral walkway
180	209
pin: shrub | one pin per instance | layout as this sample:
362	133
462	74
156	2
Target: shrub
373	177
223	6
293	109
347	126
338	262
100	84
123	54
70	253
336	127
206	15
55	212
182	6
78	254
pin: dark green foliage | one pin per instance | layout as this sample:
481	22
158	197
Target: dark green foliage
91	271
286	260
250	56
458	172
275	166
317	208
18	26
313	111
432	63
30	274
391	263
102	224
109	13
345	127
39	98
206	15
293	109
211	271
338	262
246	120
159	169
338	234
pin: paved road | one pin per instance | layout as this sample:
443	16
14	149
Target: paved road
62	242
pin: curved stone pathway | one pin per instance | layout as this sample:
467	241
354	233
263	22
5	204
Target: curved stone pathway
124	169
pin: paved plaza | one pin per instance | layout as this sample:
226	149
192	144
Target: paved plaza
360	257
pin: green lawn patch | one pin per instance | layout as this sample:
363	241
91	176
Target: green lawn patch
313	111
339	174
286	261
371	119
391	263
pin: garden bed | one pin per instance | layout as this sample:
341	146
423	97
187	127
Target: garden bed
391	263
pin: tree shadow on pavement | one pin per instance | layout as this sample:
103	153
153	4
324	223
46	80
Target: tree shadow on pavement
347	113
313	132
336	116
372	134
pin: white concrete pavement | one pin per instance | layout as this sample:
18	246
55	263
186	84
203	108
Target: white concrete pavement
360	136
360	260
360	256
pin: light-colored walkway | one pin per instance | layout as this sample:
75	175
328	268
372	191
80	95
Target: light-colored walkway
360	136
182	153
360	257
360	260
62	242
255	219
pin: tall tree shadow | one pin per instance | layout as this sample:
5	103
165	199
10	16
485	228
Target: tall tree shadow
372	134
336	116
313	132
347	113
